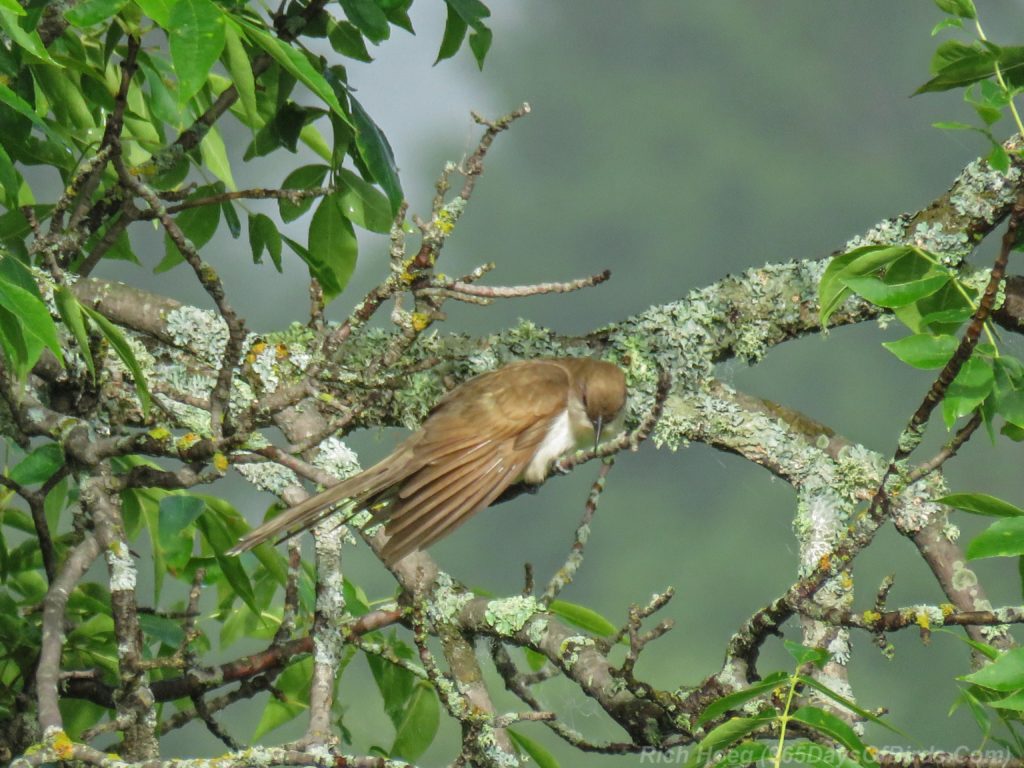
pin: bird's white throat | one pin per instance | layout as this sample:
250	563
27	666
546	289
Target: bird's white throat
569	431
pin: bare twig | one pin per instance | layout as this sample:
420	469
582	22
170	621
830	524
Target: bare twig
48	669
211	282
457	287
949	450
567	572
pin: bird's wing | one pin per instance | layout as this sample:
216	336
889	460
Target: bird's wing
497	423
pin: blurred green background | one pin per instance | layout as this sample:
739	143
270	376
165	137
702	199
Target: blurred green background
674	143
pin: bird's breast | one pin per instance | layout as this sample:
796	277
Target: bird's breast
564	435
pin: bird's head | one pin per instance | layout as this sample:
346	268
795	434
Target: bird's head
602	388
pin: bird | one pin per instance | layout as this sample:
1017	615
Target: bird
493	430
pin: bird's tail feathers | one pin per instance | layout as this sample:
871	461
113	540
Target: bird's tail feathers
308	513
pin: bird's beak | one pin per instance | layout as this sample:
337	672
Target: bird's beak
597	431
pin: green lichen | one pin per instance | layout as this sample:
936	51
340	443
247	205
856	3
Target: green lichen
537	629
510	614
268	476
446	600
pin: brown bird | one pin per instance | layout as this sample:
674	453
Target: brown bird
502	427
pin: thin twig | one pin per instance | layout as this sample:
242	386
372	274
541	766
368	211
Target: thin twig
567	572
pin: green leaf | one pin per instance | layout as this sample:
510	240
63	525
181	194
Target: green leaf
121	347
10	180
883	294
376	153
39	465
962	8
989	115
1015	702
332	246
537	751
177	514
1009	392
418	727
89	12
368	17
71	314
21	351
23	108
29	41
831	726
196	32
846	703
272	561
158	10
924	350
168	631
346	40
949	23
240	68
220	540
959	65
971	386
952	125
297	65
472	12
364	205
1004	538
534	660
293	685
583	617
32	316
833	291
955	316
215	157
977	709
1006	673
13	7
455	29
480	44
726	734
804	655
396	683
733	700
998	158
263	234
197	224
304	177
980	504
986	650
80	715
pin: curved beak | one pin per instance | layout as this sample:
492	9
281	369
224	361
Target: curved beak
597	431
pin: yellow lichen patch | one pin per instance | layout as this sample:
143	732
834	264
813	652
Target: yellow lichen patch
922	620
871	617
145	169
254	351
948	609
220	462
846	580
62	745
420	321
825	563
160	433
186	441
445	223
281	350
